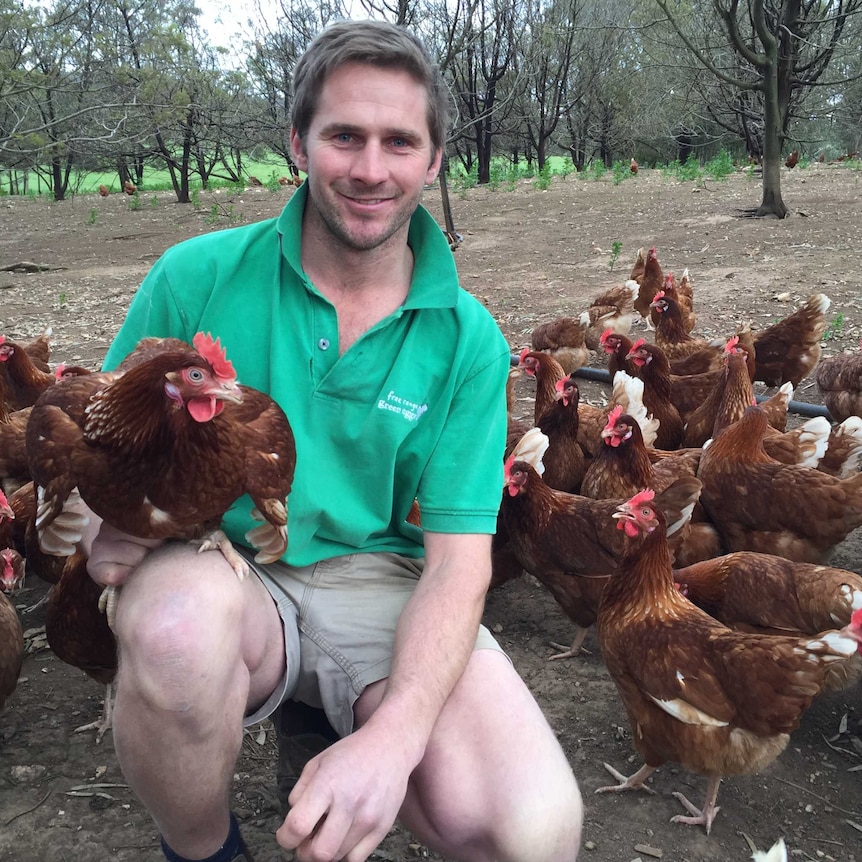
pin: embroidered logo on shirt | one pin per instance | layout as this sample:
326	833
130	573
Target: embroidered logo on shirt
402	406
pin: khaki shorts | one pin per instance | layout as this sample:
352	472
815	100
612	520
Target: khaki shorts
339	619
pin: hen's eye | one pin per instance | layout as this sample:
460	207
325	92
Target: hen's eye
196	375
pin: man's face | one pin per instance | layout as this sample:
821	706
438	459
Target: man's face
368	155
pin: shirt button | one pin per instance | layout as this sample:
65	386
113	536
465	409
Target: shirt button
323	344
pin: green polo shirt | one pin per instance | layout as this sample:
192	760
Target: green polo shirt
415	408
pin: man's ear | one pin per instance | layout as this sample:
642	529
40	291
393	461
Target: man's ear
297	150
434	167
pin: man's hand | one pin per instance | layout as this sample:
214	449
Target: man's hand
346	799
114	555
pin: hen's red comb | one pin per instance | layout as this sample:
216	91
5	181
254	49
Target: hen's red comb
507	467
603	338
58	371
659	295
524	352
637	345
560	385
731	344
215	354
641	497
2	339
615	414
652	252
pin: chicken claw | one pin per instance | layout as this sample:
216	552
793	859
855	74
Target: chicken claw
108	604
701	817
632	782
218	541
575	649
105	721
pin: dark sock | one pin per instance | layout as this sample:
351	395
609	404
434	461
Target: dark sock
233	847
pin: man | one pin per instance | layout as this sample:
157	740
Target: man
347	310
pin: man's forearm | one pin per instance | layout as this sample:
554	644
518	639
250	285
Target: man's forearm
434	640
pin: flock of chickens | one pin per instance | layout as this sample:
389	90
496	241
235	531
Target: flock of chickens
688	525
683	519
160	448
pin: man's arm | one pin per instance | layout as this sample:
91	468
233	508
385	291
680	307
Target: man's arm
348	797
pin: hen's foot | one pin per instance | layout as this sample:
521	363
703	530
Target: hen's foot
218	541
105	721
108	604
699	817
632	782
568	652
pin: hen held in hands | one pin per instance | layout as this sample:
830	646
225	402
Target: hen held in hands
161	448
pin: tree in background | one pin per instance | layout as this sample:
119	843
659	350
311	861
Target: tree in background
776	49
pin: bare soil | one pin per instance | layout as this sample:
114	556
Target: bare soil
528	255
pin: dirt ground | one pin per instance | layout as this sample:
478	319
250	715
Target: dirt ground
528	255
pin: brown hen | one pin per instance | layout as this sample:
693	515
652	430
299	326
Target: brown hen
11	633
717	701
760	504
563	339
790	349
557	536
765	594
839	379
161	448
25	381
78	632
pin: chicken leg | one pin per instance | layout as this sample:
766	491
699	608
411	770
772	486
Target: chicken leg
633	782
701	817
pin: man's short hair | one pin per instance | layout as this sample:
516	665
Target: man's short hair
376	43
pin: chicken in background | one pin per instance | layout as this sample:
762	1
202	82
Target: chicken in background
14	468
776	853
633	166
651	282
626	393
673	338
766	594
25	381
39	349
686	317
839	380
610	310
623	466
546	371
79	635
569	542
790	349
659	392
11	633
564	459
505	565
843	456
616	347
161	448
734	393
792	160
684	392
12	570
564	340
717	701
759	504
638	266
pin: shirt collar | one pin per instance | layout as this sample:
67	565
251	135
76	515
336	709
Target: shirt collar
435	278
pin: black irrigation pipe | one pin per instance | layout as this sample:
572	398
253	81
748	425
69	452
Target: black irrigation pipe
602	375
803	408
